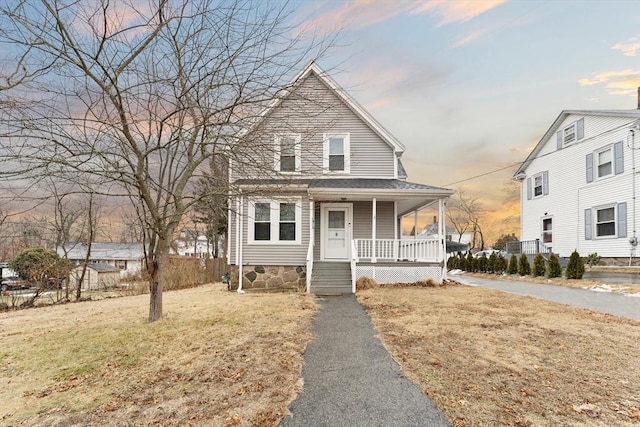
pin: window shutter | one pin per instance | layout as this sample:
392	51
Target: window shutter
622	219
580	129
590	167
545	183
587	225
618	155
529	189
559	140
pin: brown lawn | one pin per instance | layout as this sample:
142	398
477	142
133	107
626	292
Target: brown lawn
490	358
217	358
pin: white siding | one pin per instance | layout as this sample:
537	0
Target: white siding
570	193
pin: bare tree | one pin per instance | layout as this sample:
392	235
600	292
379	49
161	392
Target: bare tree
465	214
142	96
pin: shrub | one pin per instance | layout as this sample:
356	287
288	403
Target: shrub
471	266
554	268
482	263
366	283
492	263
524	268
575	266
513	265
462	262
501	264
539	266
592	259
452	263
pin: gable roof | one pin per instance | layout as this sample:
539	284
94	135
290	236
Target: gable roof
350	102
102	267
632	114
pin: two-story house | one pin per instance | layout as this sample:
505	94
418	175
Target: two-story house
320	193
579	186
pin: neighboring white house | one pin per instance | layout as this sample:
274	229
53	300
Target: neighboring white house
322	195
194	243
127	257
579	186
97	276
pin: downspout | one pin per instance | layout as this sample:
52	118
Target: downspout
240	226
633	241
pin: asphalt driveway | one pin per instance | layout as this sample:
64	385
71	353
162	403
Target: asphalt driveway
616	304
351	380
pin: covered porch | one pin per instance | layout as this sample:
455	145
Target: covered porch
359	222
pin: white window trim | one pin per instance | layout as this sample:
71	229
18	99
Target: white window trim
274	220
596	163
297	152
595	221
533	185
347	153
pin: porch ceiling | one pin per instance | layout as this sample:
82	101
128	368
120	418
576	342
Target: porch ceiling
408	196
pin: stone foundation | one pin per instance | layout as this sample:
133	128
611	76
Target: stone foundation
269	278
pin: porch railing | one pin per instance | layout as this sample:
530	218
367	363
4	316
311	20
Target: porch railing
309	266
426	250
528	247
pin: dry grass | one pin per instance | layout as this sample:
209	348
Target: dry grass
492	358
217	358
621	288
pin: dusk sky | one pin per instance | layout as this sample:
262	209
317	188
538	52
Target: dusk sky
471	86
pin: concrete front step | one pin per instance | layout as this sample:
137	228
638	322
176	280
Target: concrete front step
331	278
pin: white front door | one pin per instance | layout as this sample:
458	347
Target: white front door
336	231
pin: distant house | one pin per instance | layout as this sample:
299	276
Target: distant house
194	243
127	257
322	192
97	276
579	186
454	241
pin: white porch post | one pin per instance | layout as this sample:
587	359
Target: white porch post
442	236
374	207
415	224
240	226
395	230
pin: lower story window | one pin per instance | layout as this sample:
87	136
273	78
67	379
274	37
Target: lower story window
275	221
606	222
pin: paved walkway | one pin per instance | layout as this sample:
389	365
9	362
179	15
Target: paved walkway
616	304
351	380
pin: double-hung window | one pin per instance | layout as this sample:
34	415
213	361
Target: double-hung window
275	221
336	153
287	153
537	185
604	159
606	221
569	134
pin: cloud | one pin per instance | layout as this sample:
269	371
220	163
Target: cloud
628	48
623	82
358	14
457	11
469	38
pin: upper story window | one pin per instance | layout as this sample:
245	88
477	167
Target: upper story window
538	185
275	221
604	161
336	153
287	153
570	134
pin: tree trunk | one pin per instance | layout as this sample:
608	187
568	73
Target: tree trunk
156	282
